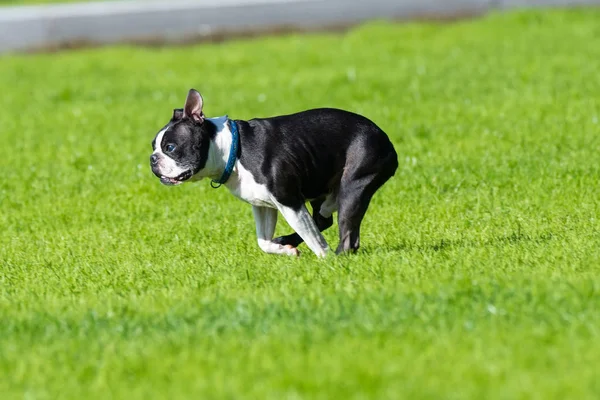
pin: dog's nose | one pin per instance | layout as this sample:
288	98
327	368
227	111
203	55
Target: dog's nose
153	159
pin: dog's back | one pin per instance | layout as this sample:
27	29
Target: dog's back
303	155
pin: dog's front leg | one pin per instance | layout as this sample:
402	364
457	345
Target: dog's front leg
266	219
301	221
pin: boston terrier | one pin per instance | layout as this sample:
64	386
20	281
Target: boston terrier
334	159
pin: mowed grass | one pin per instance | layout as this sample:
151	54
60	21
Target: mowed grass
479	271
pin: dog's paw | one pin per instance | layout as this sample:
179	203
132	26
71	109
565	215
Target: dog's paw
291	250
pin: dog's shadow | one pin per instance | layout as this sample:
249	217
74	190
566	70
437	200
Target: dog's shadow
515	238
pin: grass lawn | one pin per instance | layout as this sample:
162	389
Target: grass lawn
479	275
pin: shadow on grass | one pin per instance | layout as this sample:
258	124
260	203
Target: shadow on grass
513	239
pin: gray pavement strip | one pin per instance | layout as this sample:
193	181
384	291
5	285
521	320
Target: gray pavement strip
27	28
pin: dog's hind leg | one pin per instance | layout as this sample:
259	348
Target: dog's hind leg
354	201
266	219
322	223
357	187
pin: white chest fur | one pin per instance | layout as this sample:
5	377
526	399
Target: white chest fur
243	185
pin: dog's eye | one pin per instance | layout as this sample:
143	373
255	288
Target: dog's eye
170	148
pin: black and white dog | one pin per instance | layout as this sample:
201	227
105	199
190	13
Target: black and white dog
335	159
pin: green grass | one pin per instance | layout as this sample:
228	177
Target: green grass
479	275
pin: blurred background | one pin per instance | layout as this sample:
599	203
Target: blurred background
478	275
49	24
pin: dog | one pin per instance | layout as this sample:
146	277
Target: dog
332	158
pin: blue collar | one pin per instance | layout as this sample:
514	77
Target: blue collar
235	142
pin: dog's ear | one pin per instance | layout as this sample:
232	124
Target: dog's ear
177	114
193	106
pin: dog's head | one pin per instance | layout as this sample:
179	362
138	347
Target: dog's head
180	149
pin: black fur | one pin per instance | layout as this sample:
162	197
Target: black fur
301	157
307	155
191	141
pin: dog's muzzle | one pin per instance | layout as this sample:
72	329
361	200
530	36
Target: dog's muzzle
165	180
177	180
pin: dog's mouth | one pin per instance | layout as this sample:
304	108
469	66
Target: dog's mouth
178	180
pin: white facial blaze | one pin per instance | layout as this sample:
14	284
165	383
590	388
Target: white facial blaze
166	165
